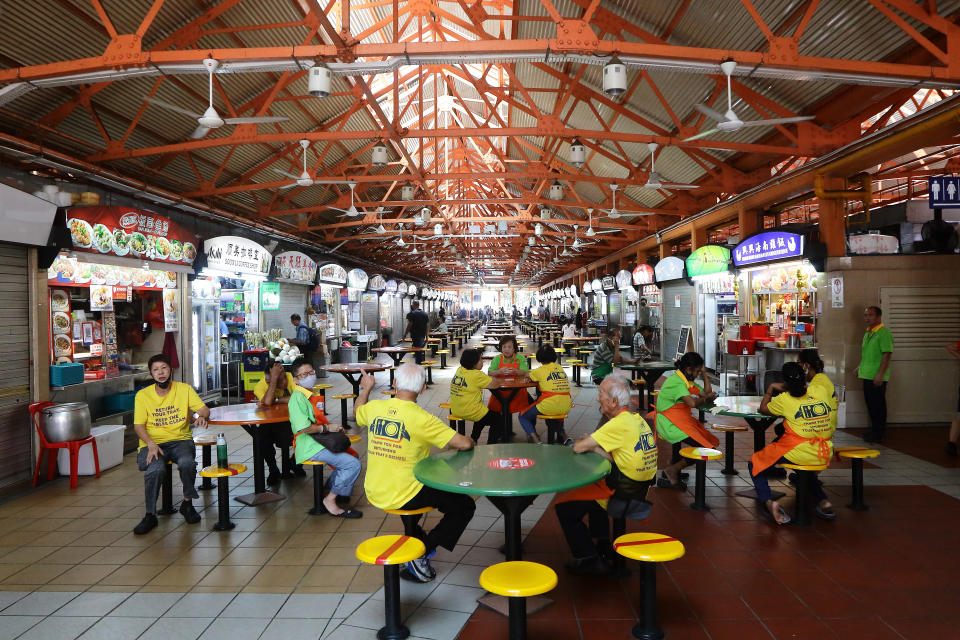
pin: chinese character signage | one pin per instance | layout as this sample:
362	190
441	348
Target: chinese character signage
134	233
237	255
670	268
767	246
296	267
412	289
331	273
643	274
608	284
944	191
707	260
357	279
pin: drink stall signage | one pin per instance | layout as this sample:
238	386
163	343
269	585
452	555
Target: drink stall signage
670	268
412	289
293	266
608	283
237	255
357	279
573	291
707	260
135	233
377	283
587	287
643	274
332	274
624	279
596	285
767	246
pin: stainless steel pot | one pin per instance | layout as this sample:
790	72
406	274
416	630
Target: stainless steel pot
793	341
67	421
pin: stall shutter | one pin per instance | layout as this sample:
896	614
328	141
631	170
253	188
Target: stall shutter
16	432
675	316
923	375
293	299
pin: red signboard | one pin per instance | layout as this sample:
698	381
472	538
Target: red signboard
643	274
133	233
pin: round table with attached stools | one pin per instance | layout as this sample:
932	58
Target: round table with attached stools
222	474
206	441
700	455
517	581
252	416
728	430
806	473
351	371
649	549
650	371
510	386
856	456
318	508
397	353
390	552
554	424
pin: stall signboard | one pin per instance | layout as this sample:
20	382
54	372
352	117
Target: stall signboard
293	266
332	273
101	297
651	290
412	289
377	283
596	285
643	274
767	246
670	268
357	279
134	233
237	255
587	287
171	319
391	286
70	271
573	290
608	283
624	279
269	296
708	260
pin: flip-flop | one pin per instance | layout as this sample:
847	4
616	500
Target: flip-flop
783	513
825	514
348	514
663	482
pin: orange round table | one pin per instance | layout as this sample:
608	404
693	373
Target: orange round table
353	370
252	415
396	352
509	387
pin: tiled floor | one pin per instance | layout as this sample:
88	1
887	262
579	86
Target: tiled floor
70	566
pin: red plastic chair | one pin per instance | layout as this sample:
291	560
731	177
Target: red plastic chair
72	445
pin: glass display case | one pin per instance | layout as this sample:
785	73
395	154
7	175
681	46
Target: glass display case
205	325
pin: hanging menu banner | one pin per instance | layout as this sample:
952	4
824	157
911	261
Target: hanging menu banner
707	260
588	287
357	279
412	289
332	274
670	268
171	317
377	283
136	233
296	267
767	246
237	255
391	286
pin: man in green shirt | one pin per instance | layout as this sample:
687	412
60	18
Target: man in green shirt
875	353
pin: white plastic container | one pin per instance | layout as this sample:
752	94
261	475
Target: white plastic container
109	451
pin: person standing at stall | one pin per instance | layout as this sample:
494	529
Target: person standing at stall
307	339
954	438
418	326
643	313
874	370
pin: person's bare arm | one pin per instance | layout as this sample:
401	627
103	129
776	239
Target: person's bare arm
367	383
587	444
767	397
461	443
884	365
496	383
270	396
407	329
153	450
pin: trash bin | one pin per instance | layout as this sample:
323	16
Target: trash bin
348	354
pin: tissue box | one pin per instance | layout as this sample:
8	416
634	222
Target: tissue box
67	373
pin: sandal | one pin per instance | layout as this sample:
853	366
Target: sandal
348	514
825	513
663	482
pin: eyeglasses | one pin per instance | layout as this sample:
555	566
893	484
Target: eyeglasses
304	374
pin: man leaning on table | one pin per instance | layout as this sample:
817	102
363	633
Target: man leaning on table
161	418
400	434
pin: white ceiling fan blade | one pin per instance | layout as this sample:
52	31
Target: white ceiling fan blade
705	134
670	185
289	186
286	173
772	121
711	113
257	120
199	132
173	107
610	231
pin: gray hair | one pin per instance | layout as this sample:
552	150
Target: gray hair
618	389
410	377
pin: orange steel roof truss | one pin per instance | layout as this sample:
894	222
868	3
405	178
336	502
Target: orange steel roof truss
478	104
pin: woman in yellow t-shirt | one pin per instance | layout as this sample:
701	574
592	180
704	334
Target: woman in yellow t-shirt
806	412
554	387
276	388
466	396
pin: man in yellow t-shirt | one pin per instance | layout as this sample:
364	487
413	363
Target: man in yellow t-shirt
161	418
466	396
554	388
627	440
276	387
399	435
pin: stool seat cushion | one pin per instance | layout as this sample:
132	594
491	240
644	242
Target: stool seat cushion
205	440
394	549
221	472
312	463
409	512
701	453
428	363
344	396
444	405
443	351
856	452
649	547
389	393
802	467
452	417
728	427
518	579
551	416
321	387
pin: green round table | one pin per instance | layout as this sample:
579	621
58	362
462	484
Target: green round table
511	476
651	372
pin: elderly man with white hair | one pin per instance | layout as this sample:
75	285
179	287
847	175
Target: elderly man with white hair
626	440
400	435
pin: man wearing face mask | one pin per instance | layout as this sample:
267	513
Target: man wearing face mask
161	418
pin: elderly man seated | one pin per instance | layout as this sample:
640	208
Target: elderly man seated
627	441
400	435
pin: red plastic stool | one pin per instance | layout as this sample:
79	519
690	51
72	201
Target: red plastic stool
73	446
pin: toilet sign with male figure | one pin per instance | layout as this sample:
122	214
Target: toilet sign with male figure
944	192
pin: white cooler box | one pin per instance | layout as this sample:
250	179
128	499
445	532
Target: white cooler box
109	451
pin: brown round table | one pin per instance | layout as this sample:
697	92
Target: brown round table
251	416
509	387
396	353
353	370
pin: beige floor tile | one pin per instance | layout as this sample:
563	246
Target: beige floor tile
279	576
366	579
205	589
320	523
332	576
86	574
236	576
156	555
132	574
37	573
62	587
249	556
113	555
84	524
72	555
349	539
332	589
130	539
296	556
336	556
273	540
17	538
312	539
45	524
203	555
57	538
114	588
165	588
181	575
275	589
228	539
27	555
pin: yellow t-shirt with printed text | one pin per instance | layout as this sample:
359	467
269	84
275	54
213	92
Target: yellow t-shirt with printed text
282	390
399	435
466	394
631	443
552	379
809	416
166	418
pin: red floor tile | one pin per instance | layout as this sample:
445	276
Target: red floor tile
863	629
776	606
805	628
736	630
925	443
922	628
719	606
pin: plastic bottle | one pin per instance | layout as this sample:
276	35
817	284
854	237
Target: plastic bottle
221	451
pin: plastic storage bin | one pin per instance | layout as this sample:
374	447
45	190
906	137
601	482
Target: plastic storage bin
119	402
109	450
67	373
348	354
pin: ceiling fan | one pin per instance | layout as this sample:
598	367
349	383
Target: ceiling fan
304	179
352	211
729	122
590	232
210	119
653	178
613	212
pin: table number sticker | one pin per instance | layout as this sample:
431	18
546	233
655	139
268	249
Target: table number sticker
466	484
510	463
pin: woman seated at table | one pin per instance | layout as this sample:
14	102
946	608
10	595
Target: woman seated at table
808	418
466	396
276	387
679	395
554	397
509	362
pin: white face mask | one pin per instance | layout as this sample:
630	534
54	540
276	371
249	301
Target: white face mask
309	381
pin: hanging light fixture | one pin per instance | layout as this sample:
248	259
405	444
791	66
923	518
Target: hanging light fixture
578	153
538	229
614	77
556	191
318	80
438	229
407	191
379	153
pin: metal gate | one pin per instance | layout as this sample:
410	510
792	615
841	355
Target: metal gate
16	432
293	299
677	312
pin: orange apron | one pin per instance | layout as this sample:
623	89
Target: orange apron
771	453
319	418
596	491
679	414
519	400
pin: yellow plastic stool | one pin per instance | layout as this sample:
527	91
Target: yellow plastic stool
222	474
206	442
457	423
391	552
728	430
649	549
318	508
343	397
700	455
806	473
443	357
518	580
856	456
410	518
428	365
554	424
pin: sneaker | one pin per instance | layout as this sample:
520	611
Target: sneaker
420	570
951	449
297	469
189	513
146	525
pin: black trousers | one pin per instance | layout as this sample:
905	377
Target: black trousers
457	510
494	420
279	434
876	400
580	537
418	341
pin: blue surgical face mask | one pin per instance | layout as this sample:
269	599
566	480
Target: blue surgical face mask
309	381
